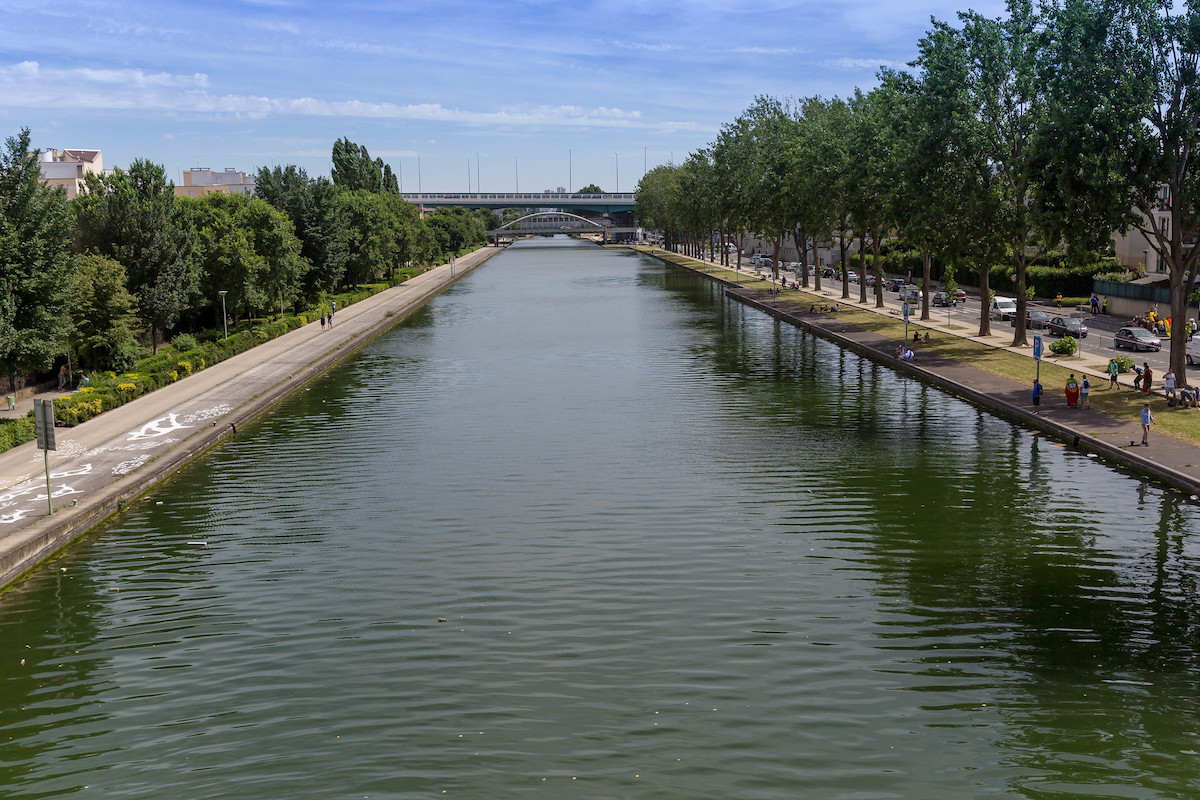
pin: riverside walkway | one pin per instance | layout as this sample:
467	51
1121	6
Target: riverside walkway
103	463
1168	459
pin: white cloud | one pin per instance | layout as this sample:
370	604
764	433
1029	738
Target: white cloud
29	85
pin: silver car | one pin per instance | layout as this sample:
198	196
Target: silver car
1136	339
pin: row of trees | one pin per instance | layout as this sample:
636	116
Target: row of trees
126	260
1047	127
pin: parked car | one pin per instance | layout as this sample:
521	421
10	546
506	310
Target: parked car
1192	354
870	279
852	276
1068	326
894	285
1034	319
1004	308
943	299
827	272
1136	339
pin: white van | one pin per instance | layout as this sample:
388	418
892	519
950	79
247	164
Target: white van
1004	308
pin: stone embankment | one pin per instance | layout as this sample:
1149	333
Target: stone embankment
104	463
1168	459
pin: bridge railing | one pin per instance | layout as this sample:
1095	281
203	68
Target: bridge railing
550	196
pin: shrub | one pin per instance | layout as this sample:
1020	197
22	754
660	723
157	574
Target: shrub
1124	363
184	342
1066	346
184	367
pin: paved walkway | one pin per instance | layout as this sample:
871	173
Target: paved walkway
1167	458
106	461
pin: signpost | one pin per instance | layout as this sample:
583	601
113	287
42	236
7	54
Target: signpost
906	320
1037	356
43	423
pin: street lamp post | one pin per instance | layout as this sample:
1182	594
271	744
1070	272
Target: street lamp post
617	171
1146	261
516	175
224	319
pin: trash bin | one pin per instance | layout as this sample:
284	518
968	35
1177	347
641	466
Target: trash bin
12	403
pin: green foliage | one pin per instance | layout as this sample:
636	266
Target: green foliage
102	311
35	263
354	169
1124	363
591	188
1066	346
15	432
184	342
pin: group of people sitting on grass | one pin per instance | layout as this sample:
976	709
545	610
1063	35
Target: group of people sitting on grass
814	309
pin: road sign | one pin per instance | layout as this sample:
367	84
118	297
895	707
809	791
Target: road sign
43	423
906	311
1037	347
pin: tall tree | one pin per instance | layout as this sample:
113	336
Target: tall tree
35	263
319	219
1126	84
133	217
1005	87
354	169
102	311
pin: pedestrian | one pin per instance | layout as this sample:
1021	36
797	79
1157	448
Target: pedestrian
1104	306
1147	377
1169	386
322	322
331	320
1037	397
1095	305
1072	392
1113	369
1147	419
1058	300
62	378
1085	392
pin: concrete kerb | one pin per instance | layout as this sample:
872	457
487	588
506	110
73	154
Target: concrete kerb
1081	441
26	550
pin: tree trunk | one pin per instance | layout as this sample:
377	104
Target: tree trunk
926	275
1019	262
845	267
878	267
985	301
862	260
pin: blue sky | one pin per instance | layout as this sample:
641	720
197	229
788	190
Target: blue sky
543	92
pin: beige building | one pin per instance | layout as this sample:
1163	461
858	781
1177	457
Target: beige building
202	180
67	168
1133	248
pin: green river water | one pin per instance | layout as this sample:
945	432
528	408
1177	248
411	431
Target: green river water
681	550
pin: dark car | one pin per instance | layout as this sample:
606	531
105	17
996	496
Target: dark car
1067	326
894	285
1136	339
1035	319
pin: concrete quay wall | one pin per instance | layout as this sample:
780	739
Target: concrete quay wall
1176	463
23	547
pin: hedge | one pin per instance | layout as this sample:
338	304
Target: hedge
109	390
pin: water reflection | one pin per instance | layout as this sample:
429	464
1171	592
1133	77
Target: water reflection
681	550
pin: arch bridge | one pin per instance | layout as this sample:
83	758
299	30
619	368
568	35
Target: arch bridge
551	222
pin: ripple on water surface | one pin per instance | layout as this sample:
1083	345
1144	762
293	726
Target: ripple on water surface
678	548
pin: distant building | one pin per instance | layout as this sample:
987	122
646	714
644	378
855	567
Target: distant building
67	168
202	180
1133	248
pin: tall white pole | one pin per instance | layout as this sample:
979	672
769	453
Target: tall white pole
617	172
516	176
570	169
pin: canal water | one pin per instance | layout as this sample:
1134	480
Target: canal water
584	528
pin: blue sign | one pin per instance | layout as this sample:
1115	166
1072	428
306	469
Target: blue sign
906	311
1037	348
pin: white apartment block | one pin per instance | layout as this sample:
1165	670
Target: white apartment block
202	180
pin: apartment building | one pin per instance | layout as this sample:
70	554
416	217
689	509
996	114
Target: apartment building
202	180
68	168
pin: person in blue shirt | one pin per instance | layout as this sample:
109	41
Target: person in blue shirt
1037	397
1147	419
